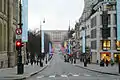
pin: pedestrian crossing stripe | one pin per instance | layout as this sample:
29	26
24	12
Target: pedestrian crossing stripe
63	75
75	75
86	75
52	76
40	76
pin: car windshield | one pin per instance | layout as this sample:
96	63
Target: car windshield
59	40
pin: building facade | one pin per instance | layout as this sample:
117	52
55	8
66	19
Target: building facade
100	48
8	22
56	36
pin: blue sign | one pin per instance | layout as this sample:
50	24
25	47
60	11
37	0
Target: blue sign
25	20
50	48
83	41
42	41
69	47
118	20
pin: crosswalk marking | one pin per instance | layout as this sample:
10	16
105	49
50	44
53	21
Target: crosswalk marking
75	75
86	74
40	76
52	76
63	75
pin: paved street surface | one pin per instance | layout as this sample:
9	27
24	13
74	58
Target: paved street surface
60	70
96	67
11	73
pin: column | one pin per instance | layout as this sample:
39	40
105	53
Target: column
0	35
98	36
112	36
10	31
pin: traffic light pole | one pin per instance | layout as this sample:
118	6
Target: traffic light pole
19	62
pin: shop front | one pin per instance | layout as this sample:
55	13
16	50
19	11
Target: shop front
117	57
105	56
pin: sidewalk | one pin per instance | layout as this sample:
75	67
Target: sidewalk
113	70
29	70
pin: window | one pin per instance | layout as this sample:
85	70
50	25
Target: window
109	19
115	19
93	44
118	45
93	33
5	37
106	44
1	5
5	6
93	22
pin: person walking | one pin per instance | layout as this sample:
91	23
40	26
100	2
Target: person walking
107	62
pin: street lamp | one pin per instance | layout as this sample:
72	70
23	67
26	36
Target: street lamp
41	35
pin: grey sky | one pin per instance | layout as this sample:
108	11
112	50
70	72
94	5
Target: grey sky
57	13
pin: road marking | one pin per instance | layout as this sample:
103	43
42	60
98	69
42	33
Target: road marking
63	75
86	74
99	75
52	76
75	75
40	76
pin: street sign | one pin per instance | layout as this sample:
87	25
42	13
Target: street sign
18	31
18	36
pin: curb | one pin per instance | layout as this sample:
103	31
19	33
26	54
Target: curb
97	70
36	71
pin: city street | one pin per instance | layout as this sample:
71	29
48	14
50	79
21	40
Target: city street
60	70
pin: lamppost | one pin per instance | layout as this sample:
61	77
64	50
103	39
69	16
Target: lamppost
41	35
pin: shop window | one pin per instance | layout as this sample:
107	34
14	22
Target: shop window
106	44
116	57
105	56
118	45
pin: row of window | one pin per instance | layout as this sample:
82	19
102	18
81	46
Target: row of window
106	45
94	20
4	7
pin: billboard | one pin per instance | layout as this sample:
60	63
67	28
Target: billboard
25	20
118	20
42	41
83	41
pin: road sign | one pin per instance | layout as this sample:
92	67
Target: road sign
18	31
18	36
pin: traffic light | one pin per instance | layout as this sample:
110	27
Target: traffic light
18	44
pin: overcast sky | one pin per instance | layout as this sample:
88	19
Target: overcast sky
57	13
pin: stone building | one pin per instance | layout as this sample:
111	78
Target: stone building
8	22
91	20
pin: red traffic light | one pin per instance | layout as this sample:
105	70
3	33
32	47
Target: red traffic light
18	43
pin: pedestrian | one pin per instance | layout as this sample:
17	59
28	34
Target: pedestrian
111	62
107	62
37	61
31	62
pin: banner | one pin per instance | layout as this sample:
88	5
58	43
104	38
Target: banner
50	48
25	20
69	47
83	41
42	41
118	20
